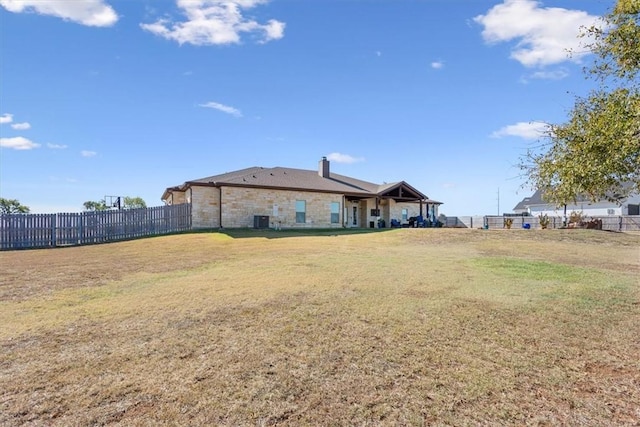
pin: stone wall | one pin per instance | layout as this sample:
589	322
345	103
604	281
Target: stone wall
205	207
242	204
176	198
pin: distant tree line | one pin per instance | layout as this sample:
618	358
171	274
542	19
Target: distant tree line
11	206
123	203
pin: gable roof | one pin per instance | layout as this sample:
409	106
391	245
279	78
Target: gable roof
523	204
538	199
304	180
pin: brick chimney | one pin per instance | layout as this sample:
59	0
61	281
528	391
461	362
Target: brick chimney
323	168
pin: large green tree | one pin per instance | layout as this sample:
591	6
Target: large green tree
596	153
91	205
10	206
134	203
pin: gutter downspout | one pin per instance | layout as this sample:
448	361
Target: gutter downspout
220	208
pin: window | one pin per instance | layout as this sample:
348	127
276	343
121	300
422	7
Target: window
335	212
375	212
610	211
405	214
301	211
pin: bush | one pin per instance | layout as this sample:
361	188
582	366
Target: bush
544	220
576	217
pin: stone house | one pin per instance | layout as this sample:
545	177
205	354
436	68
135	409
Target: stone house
295	198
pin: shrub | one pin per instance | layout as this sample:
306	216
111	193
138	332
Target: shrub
544	220
576	217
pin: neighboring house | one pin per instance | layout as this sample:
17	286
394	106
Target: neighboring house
535	205
290	198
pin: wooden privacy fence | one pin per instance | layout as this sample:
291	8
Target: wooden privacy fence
26	231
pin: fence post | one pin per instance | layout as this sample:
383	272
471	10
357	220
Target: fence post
620	223
54	220
80	232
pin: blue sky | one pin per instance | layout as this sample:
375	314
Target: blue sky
128	97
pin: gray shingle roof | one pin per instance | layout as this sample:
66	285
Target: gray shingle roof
289	178
538	199
294	179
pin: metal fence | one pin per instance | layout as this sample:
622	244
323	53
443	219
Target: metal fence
26	231
609	222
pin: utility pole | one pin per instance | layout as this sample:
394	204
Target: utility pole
498	201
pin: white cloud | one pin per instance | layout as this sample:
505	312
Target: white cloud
437	64
214	22
18	143
544	35
6	118
87	153
224	108
344	158
56	146
526	130
93	13
21	126
558	74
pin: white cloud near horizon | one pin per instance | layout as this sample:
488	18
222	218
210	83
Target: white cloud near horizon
18	143
88	153
543	35
224	108
344	158
93	13
525	130
436	65
215	22
6	118
21	126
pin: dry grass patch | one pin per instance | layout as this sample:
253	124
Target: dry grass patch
404	327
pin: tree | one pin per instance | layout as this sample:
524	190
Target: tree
11	206
95	206
134	203
596	153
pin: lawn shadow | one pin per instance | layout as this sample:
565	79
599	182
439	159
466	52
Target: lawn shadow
242	233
